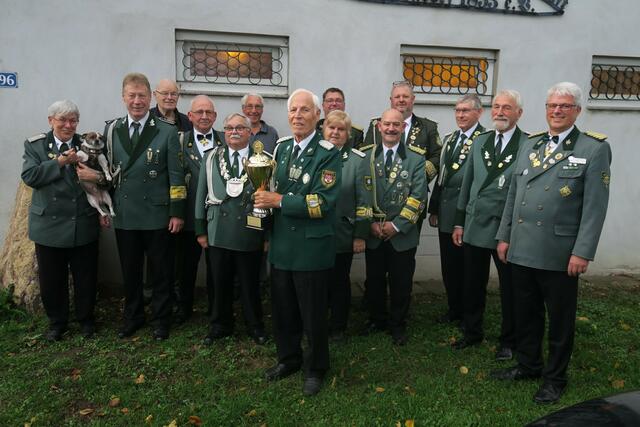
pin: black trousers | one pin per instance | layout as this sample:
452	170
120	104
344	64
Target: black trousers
340	292
299	301
452	266
225	264
190	251
477	263
53	272
159	248
535	289
383	262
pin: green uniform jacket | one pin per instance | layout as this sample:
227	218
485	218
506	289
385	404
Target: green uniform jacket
353	206
223	219
191	160
423	135
356	136
484	188
401	197
556	209
150	188
303	232
446	190
60	215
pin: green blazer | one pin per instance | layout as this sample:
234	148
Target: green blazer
224	218
303	233
191	161
356	136
150	188
60	215
453	163
423	134
353	206
401	197
556	208
484	188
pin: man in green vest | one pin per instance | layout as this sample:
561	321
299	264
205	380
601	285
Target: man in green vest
149	196
302	247
333	100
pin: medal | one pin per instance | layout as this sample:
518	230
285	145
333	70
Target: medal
525	172
500	165
404	174
455	166
305	178
234	187
501	181
558	156
392	175
153	174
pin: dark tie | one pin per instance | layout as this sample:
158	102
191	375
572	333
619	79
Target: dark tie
205	139
458	147
498	147
294	155
136	133
388	163
64	147
235	165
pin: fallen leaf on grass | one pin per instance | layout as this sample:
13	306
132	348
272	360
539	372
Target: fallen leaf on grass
124	410
464	370
173	423
379	389
592	369
452	340
617	384
86	411
195	420
252	413
481	376
302	402
114	401
139	379
333	382
75	374
582	319
54	387
149	419
411	391
624	326
408	423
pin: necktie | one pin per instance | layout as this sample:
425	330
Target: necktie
294	155
456	150
498	147
235	165
64	147
550	146
388	163
136	133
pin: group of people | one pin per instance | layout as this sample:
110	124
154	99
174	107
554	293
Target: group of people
534	203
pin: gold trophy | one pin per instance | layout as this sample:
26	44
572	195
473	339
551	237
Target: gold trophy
259	168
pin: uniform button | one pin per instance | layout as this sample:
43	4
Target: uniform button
144	197
293	229
539	207
54	217
54	199
520	220
144	180
73	218
224	214
73	200
524	203
125	196
528	186
546	188
239	217
539	223
124	180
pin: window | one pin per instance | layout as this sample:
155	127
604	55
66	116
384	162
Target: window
442	75
615	83
231	64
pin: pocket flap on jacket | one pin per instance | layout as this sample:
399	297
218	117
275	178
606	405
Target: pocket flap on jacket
35	209
570	173
318	231
565	230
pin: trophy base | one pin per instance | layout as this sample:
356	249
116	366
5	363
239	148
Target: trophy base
257	223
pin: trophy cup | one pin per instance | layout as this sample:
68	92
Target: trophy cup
259	168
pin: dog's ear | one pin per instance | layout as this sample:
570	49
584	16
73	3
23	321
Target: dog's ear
83	136
99	135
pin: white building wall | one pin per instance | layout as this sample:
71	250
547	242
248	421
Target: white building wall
81	49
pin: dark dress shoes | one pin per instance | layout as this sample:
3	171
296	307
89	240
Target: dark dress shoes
466	342
311	386
55	333
372	328
88	330
515	373
399	338
129	329
160	333
548	393
214	335
280	371
504	353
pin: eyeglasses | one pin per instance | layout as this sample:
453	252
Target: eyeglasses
562	107
167	94
203	112
236	128
253	107
72	122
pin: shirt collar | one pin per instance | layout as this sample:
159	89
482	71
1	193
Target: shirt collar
562	136
506	136
244	152
142	121
59	142
303	144
394	149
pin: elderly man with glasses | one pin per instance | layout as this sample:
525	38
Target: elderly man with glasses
167	95
252	108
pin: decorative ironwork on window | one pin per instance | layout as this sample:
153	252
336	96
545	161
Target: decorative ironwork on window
448	75
615	82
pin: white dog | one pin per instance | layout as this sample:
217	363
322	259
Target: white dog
91	155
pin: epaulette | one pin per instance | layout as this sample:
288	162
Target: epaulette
326	144
284	138
358	152
366	147
374	119
357	128
426	120
418	150
37	137
595	135
447	136
533	135
486	131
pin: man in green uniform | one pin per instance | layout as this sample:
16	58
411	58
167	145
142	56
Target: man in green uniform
398	187
332	100
149	197
222	204
442	206
549	232
480	204
302	245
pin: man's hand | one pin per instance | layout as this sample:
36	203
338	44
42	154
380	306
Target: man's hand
388	230
359	245
376	230
266	199
456	236
175	224
502	249
433	220
577	266
85	173
105	221
203	241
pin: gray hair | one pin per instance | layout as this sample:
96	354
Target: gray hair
199	97
316	100
402	83
243	101
63	108
567	89
244	118
513	94
471	98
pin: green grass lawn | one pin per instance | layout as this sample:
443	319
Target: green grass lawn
112	382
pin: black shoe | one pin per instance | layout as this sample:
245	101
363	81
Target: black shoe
280	371
372	328
55	333
161	333
259	337
88	330
466	342
214	335
399	338
515	373
448	318
129	329
311	386
548	393
504	353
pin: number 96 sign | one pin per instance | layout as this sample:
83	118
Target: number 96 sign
8	80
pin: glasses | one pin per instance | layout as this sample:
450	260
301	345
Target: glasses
562	107
72	122
167	94
203	112
236	128
253	107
